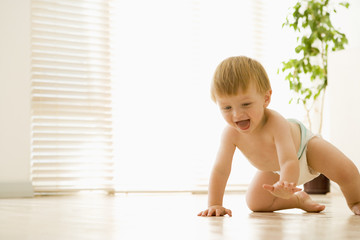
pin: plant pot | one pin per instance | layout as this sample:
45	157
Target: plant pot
319	185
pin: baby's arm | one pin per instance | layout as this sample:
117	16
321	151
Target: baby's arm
219	177
289	164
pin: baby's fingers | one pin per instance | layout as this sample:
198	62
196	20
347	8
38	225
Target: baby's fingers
293	187
268	187
296	189
223	212
218	212
212	212
228	212
203	213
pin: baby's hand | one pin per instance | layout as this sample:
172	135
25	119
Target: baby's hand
282	189
215	210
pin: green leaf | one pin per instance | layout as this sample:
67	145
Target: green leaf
298	49
317	36
345	4
309	93
314	51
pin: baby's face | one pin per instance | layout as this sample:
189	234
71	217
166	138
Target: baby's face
245	110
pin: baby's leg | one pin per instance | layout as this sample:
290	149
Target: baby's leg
323	157
260	200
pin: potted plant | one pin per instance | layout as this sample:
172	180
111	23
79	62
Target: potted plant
308	73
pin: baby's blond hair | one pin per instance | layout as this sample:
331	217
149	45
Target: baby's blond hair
238	72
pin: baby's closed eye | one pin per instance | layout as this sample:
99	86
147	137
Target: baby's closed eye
226	108
246	104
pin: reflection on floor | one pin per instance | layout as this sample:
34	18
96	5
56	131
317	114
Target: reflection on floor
167	216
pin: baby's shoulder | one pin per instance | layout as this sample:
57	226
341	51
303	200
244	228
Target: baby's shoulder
230	132
275	121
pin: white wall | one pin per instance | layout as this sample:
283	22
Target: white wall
344	86
15	98
15	93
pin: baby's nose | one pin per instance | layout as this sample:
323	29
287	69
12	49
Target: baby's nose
238	113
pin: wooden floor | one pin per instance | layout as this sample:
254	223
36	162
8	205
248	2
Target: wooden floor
171	216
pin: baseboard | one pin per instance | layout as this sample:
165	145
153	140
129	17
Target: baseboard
16	190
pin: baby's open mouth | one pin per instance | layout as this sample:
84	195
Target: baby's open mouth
244	124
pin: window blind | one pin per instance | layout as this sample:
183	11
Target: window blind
72	131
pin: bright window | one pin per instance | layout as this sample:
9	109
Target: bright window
120	89
167	129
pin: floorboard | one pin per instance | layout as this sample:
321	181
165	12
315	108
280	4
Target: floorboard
167	216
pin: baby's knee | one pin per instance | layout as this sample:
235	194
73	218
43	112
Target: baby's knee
346	174
257	204
259	207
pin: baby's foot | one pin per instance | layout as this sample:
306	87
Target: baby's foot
356	208
307	204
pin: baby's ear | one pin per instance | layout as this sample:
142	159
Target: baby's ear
267	98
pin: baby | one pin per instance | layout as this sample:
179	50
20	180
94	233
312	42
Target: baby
285	153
